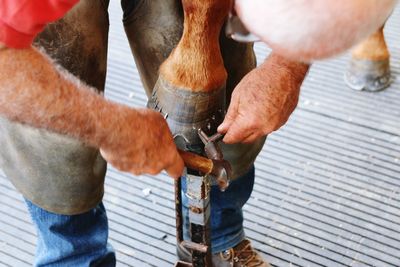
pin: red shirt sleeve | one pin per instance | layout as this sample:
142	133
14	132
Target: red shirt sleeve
22	20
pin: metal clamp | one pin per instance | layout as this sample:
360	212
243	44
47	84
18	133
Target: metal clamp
236	30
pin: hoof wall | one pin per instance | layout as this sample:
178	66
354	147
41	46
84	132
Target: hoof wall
368	75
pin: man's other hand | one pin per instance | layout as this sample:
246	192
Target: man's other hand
263	101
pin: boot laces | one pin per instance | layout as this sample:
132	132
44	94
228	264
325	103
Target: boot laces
246	257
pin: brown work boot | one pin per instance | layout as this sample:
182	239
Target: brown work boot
243	255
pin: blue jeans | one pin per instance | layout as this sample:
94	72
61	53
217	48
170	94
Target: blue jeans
77	240
81	240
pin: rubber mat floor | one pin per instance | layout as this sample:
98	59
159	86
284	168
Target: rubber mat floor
327	189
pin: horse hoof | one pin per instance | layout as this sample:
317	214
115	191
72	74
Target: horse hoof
368	75
187	111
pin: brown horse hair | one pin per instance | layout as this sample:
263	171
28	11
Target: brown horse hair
196	63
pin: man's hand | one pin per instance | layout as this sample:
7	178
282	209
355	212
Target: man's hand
263	101
141	143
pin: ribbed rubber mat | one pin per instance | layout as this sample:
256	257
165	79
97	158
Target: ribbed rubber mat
327	185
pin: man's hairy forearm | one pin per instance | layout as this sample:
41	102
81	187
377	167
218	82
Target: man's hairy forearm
295	71
33	91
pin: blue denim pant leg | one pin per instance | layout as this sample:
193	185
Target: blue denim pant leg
226	212
77	240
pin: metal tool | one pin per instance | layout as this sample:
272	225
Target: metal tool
201	171
236	30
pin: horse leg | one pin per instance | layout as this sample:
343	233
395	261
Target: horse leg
190	91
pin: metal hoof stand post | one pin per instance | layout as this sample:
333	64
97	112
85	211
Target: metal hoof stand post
201	174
